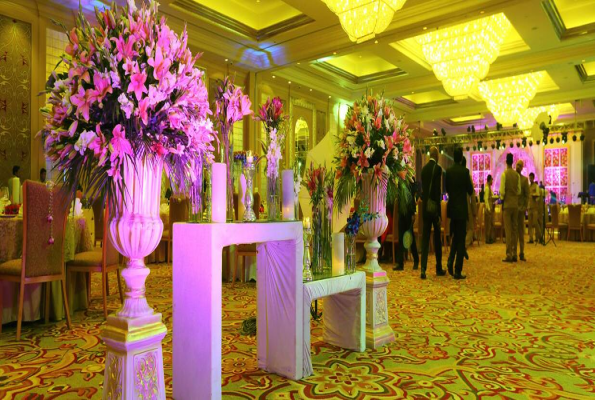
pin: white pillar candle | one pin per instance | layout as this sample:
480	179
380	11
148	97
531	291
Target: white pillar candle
307	223
218	195
288	197
338	253
16	190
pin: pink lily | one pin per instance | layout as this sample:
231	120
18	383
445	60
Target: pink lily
137	84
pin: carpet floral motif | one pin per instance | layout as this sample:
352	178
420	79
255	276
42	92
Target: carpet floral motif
514	331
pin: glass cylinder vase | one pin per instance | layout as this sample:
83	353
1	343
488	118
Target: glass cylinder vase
350	260
227	158
273	198
327	237
317	238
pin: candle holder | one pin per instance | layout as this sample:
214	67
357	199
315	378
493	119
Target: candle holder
249	215
307	274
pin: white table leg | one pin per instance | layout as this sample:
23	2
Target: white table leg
196	318
280	309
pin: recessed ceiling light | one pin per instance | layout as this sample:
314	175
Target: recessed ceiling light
375	41
329	96
310	89
226	60
298	63
481	12
289	82
334	52
274	76
425	27
412	92
583	61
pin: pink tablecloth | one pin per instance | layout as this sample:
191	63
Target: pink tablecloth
78	238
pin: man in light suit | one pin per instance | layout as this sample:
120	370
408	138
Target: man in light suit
523	204
510	189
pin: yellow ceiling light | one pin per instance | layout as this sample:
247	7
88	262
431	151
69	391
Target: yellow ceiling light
507	98
527	118
363	19
461	55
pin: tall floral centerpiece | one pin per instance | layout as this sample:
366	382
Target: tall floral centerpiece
231	105
272	116
129	104
314	183
374	160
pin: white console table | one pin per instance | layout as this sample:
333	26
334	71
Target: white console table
344	313
197	301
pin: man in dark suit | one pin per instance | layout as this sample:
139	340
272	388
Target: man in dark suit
458	186
431	181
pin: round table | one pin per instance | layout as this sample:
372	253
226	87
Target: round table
79	237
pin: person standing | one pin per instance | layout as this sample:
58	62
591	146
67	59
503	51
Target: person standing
488	200
471	213
458	187
406	223
523	204
534	234
42	175
541	212
431	180
510	189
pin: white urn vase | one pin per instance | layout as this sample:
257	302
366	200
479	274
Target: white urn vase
373	194
134	362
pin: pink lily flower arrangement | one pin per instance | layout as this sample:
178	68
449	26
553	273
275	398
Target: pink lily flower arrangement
131	89
374	141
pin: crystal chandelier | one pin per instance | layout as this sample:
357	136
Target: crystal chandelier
507	98
461	55
527	118
363	19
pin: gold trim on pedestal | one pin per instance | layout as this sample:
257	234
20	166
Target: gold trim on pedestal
114	377
378	330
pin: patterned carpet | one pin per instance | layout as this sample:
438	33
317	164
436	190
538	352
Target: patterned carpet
509	331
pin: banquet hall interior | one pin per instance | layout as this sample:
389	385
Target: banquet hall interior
207	199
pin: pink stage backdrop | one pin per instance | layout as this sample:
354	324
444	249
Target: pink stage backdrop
481	167
556	173
518	154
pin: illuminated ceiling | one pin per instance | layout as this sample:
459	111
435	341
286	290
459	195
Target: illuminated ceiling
576	13
295	41
256	15
361	63
427	97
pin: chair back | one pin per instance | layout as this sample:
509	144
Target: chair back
178	210
480	213
574	216
40	258
256	205
111	256
98	217
555	214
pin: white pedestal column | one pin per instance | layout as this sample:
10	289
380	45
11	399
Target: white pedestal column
378	330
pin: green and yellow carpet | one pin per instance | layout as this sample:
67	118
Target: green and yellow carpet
519	331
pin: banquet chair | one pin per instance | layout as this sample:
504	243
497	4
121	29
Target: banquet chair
178	212
245	250
554	224
103	261
574	220
97	213
393	237
42	262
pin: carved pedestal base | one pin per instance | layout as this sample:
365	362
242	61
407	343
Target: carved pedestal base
378	331
134	362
